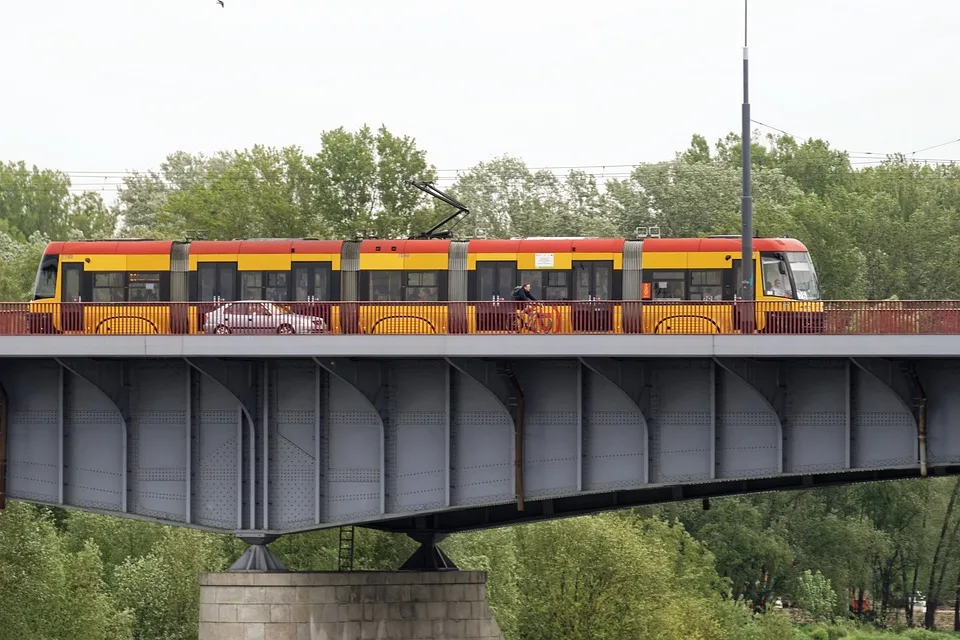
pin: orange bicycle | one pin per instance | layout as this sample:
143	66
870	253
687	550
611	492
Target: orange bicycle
534	319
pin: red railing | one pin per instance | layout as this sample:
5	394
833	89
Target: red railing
852	317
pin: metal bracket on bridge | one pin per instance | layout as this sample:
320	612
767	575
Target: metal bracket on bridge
429	557
359	375
257	557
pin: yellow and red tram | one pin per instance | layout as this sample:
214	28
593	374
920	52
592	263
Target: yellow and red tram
600	285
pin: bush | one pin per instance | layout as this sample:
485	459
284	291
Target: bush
923	634
815	595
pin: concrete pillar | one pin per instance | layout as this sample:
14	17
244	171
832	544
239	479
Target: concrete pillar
407	605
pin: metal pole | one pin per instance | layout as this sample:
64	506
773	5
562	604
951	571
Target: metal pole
746	200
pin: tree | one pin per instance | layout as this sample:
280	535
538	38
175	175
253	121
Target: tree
493	551
119	539
695	199
257	193
609	578
359	182
20	260
58	594
507	200
142	198
749	548
40	201
815	595
161	587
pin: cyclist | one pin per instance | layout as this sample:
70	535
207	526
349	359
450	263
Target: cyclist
524	297
523	294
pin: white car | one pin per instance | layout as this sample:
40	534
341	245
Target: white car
260	317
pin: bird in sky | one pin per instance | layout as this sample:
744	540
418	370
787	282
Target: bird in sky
220	2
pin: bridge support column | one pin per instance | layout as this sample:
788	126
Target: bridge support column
401	604
258	556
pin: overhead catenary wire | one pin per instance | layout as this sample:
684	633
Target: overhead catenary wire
105	181
114	181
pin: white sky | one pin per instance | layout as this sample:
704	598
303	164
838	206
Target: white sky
114	85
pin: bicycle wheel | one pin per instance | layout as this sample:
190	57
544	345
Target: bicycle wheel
541	322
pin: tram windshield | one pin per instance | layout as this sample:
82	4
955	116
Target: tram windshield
804	275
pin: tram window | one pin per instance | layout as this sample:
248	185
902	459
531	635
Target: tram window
143	287
548	285
774	282
804	275
422	286
602	276
706	285
556	285
251	285
591	278
487	281
45	286
385	286
535	278
669	285
277	288
108	287
208	281
495	279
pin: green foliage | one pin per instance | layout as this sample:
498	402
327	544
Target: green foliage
161	587
20	261
39	201
769	626
612	578
494	551
119	539
922	634
815	595
819	634
52	593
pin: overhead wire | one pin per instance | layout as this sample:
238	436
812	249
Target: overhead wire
106	181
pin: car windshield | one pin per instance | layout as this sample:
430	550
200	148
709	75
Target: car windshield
804	275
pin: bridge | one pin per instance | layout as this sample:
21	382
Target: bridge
427	434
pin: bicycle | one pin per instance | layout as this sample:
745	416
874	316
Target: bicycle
534	319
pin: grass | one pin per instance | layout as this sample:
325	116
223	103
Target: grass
849	632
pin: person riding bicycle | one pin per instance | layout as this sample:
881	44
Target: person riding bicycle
523	294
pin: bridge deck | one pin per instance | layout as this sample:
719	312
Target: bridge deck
450	346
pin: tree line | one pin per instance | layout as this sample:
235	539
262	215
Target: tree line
875	230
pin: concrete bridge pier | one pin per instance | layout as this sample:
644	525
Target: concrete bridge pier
407	605
428	599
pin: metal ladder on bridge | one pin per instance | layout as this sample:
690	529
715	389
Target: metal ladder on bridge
345	550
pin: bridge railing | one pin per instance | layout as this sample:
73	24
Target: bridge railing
843	317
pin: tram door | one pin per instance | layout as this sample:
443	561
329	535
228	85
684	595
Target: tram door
71	307
592	289
311	284
217	284
495	281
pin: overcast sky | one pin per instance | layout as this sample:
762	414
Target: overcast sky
114	85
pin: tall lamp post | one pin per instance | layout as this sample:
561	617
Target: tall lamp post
746	199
